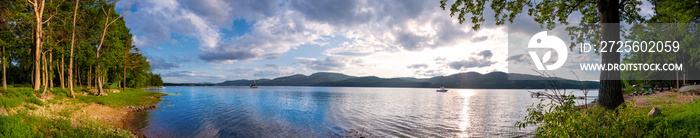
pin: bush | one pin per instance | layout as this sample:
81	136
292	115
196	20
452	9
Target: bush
61	93
35	100
30	107
11	102
12	126
18	92
568	120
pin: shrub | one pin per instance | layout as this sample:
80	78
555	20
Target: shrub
61	93
30	107
35	100
11	102
18	92
12	126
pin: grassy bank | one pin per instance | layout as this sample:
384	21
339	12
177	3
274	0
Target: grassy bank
680	117
57	115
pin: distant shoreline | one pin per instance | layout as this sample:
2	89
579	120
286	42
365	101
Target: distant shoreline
261	86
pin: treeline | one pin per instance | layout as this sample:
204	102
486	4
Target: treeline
67	43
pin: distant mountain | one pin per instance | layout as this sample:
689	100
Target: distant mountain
373	81
302	80
188	84
499	80
493	80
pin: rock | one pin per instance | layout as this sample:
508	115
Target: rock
654	112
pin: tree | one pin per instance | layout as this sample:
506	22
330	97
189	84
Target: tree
549	12
38	7
72	45
680	12
110	6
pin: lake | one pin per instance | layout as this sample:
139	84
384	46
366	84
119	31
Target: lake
288	111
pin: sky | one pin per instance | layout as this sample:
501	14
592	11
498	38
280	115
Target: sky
194	41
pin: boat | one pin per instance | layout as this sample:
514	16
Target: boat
254	85
442	89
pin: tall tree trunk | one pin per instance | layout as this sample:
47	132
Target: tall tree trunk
89	78
61	73
72	42
126	51
99	74
38	7
4	77
610	95
80	83
45	73
50	73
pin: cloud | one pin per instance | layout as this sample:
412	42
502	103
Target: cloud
417	66
271	65
278	26
269	38
191	76
482	59
485	54
155	20
518	59
328	64
160	63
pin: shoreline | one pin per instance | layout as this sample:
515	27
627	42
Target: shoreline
32	114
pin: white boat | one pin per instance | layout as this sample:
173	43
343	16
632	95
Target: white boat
442	89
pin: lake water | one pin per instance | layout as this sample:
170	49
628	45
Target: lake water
282	111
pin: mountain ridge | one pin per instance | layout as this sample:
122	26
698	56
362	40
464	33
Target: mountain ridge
492	80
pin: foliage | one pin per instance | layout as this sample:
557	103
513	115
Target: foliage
17	28
11	102
30	107
18	92
13	126
134	97
36	101
569	120
22	125
60	93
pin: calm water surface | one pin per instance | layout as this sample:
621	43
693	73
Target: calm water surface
281	111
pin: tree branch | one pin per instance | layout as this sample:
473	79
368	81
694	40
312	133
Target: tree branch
30	2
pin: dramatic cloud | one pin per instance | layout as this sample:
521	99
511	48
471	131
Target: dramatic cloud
482	59
328	64
269	38
278	26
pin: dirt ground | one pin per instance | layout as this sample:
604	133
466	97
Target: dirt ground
81	114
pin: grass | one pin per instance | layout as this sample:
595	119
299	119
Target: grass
677	119
23	125
11	102
134	97
20	124
35	100
30	107
674	121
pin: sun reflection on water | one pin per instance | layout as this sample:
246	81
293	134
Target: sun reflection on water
463	121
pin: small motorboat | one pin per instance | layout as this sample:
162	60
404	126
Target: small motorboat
442	89
254	85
